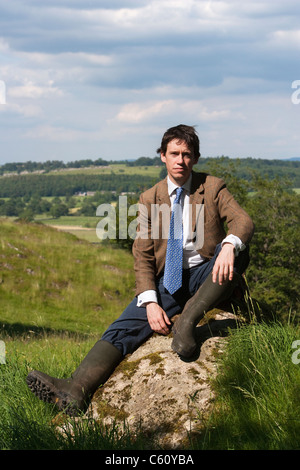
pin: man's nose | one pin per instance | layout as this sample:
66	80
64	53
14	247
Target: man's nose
180	158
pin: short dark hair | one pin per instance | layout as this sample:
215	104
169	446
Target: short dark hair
183	133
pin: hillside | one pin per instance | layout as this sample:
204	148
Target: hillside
52	280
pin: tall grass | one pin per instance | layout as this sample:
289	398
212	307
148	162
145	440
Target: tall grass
29	424
257	388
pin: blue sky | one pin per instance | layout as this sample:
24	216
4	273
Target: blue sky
104	79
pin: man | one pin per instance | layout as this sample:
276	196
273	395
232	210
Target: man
207	273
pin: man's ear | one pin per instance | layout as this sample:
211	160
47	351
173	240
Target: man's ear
163	157
196	159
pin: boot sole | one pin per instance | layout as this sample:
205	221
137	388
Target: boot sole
48	393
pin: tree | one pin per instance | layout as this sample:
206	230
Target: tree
125	218
26	215
58	210
88	208
274	271
227	169
12	207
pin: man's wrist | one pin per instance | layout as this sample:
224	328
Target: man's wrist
235	241
146	297
230	245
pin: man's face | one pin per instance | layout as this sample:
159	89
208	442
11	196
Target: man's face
179	161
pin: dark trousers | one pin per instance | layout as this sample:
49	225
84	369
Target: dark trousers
131	329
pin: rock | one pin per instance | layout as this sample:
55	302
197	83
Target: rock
153	389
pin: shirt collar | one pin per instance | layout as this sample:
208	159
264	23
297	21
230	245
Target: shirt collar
172	186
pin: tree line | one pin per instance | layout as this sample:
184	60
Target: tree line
49	165
67	185
268	168
26	208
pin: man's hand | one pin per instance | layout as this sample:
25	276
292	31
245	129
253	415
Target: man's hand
223	267
157	318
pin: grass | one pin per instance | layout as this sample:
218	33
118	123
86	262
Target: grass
58	294
116	169
50	279
70	220
257	387
29	424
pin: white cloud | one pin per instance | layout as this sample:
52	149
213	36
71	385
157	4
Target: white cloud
286	39
196	110
60	134
205	113
4	47
32	91
143	112
26	110
65	58
2	92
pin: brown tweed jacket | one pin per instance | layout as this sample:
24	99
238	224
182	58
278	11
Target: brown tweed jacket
219	207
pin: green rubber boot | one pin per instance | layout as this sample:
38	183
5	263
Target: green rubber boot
73	395
209	295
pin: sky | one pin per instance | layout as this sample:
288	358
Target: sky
105	79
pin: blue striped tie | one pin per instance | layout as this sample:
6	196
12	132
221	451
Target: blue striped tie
173	266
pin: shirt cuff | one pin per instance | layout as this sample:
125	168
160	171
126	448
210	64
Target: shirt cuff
145	297
236	242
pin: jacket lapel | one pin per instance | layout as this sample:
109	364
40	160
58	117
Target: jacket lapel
162	193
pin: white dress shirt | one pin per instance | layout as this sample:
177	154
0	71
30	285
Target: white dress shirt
191	257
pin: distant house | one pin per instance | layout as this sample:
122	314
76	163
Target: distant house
85	193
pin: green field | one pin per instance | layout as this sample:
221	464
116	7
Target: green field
83	227
116	169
